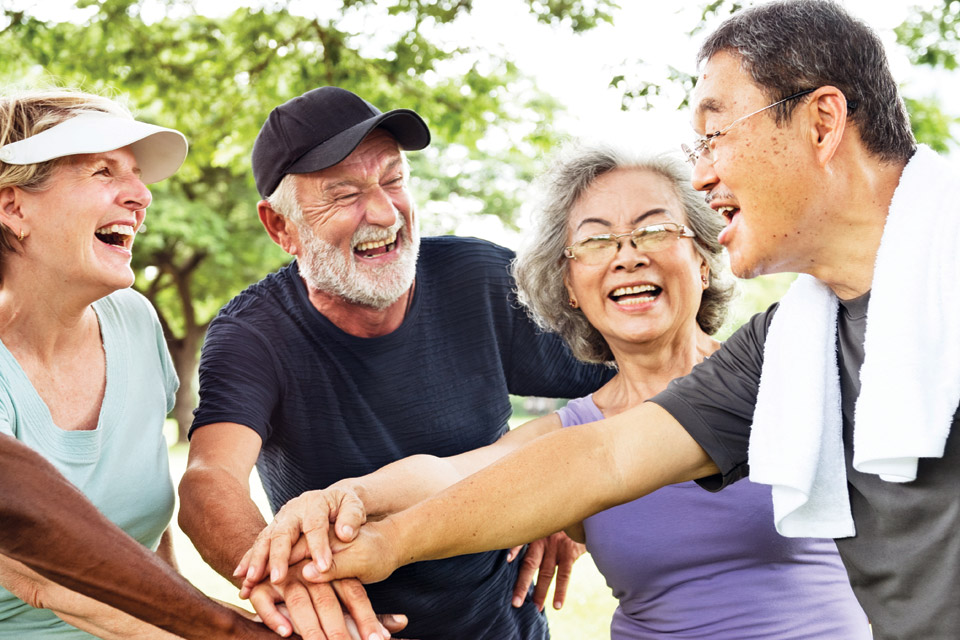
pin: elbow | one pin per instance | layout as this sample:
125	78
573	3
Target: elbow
191	492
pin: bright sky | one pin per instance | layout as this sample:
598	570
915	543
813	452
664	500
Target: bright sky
577	68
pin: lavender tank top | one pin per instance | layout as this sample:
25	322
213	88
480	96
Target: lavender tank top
687	563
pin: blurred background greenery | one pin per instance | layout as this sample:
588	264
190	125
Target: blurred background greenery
215	69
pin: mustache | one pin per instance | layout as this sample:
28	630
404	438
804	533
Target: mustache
373	233
713	195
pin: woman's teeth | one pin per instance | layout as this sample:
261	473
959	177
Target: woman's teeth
635	292
115	234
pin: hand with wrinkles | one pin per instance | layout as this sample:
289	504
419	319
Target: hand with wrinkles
314	610
306	518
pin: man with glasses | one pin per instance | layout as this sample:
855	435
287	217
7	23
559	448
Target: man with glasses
807	151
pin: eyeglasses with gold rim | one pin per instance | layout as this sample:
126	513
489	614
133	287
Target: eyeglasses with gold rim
651	238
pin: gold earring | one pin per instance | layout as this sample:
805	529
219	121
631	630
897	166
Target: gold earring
706	280
20	235
573	303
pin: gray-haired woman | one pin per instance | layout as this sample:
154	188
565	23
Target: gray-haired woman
624	264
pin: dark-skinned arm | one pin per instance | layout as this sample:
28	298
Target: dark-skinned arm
51	527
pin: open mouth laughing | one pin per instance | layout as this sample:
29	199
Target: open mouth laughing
375	248
728	212
117	235
637	294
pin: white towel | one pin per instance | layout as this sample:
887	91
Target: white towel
910	378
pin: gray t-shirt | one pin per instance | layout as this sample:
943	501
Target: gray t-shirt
904	562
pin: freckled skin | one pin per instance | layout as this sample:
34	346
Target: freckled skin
764	168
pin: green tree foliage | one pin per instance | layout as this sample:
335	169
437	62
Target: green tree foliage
217	77
930	37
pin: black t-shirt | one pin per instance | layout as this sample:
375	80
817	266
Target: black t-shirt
329	405
904	562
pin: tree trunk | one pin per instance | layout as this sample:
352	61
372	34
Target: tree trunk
184	352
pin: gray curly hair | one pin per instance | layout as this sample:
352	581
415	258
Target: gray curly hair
540	267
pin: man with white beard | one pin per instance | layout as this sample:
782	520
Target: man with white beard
357	354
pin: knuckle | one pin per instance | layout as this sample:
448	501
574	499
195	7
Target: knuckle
323	596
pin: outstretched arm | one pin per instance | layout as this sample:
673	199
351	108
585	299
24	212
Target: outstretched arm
572	474
50	526
349	502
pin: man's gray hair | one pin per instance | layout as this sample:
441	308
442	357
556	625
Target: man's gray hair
788	46
284	200
540	266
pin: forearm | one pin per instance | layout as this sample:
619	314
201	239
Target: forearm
83	612
219	517
406	482
402	484
553	482
52	528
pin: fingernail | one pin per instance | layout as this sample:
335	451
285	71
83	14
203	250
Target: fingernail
237	571
282	630
517	601
274	575
375	636
250	572
557	605
322	563
310	571
384	632
347	531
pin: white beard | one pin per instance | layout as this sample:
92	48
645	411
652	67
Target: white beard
325	268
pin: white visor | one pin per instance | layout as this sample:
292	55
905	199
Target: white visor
159	151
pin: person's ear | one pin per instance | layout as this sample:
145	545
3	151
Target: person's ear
11	213
828	111
571	299
279	227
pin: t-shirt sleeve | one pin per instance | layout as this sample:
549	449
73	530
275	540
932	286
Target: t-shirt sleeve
715	402
238	378
540	363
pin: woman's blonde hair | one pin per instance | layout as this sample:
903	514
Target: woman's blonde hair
27	113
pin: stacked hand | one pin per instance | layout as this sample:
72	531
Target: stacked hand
311	607
300	550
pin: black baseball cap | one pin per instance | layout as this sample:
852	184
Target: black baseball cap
322	127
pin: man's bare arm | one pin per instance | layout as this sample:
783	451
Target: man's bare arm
51	527
220	517
552	482
216	510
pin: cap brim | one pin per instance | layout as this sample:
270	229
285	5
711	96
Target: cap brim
159	151
406	126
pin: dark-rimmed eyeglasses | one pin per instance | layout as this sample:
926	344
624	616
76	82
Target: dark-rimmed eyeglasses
703	147
654	237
